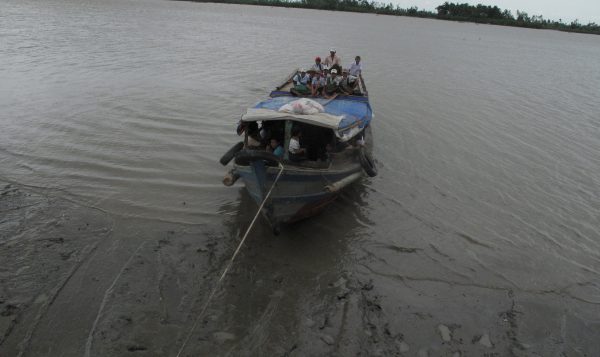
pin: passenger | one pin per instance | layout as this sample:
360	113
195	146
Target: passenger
296	152
333	61
353	81
254	136
318	66
317	84
266	132
356	67
301	80
275	147
346	87
331	88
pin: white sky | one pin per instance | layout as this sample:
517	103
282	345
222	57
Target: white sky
567	10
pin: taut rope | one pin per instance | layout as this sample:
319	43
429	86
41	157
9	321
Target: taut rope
230	263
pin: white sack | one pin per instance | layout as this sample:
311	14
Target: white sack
302	106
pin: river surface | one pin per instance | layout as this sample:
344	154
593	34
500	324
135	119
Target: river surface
479	236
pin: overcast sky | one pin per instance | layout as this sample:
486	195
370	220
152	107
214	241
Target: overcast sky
583	10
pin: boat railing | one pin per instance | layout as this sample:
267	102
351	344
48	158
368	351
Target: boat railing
364	87
288	79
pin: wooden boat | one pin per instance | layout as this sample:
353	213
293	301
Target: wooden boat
339	144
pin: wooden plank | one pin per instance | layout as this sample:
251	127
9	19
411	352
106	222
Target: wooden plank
288	80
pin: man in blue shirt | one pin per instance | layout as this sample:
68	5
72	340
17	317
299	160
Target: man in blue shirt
276	148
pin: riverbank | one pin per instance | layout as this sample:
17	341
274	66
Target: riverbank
482	14
78	281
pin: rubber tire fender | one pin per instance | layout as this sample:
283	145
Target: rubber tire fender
245	157
231	153
367	163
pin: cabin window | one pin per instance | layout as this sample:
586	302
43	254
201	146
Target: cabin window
317	141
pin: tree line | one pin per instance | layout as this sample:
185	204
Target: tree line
447	11
495	15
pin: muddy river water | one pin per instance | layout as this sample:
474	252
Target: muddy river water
480	236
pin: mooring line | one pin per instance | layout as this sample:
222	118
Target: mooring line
230	263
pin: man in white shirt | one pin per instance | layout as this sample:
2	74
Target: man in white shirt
355	68
301	81
333	61
296	153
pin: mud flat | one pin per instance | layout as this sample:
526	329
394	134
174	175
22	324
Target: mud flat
63	265
76	281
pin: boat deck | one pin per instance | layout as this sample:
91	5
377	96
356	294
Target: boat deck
284	89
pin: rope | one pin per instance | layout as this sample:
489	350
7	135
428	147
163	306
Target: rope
230	263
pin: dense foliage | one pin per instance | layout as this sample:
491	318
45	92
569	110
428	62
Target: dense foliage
495	15
447	11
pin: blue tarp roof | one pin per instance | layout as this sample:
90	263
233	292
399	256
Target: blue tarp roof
355	111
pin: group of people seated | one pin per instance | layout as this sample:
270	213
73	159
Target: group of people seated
327	78
307	142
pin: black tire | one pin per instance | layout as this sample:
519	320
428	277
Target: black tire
231	153
367	163
245	157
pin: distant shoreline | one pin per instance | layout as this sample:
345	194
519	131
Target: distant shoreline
481	14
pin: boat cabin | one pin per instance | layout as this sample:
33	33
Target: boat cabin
327	126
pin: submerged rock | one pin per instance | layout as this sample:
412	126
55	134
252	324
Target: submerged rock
445	333
403	346
340	282
327	339
222	337
277	294
485	341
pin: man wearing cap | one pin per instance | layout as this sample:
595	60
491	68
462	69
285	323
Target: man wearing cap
301	80
317	84
333	61
318	66
346	84
332	86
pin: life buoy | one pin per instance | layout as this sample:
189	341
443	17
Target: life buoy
245	157
231	153
367	163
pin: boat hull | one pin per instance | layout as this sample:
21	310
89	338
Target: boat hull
298	194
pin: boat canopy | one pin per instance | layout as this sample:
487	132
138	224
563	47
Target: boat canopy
346	116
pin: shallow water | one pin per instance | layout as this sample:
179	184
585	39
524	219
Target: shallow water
484	216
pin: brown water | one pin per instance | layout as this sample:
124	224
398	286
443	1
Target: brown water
482	226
